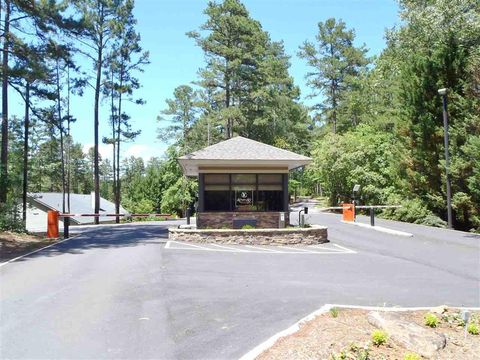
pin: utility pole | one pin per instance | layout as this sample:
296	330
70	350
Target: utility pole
443	93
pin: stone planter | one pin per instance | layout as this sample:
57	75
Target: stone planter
288	236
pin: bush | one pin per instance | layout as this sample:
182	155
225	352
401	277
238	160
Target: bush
472	329
412	356
247	227
10	218
334	312
431	320
413	211
379	337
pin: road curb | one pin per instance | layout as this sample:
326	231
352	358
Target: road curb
256	351
379	228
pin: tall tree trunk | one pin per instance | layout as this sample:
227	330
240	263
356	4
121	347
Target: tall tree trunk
60	126
68	140
96	173
114	142
227	103
4	153
119	125
334	106
25	153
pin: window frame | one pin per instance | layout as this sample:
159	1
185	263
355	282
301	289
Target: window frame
283	184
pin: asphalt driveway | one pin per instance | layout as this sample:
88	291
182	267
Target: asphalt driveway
118	292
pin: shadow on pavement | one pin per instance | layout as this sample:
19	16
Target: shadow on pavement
108	237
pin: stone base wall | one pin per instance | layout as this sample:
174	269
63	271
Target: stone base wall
290	236
219	220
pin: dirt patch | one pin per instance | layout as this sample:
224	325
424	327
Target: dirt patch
348	336
17	244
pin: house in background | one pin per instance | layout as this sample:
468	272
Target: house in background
40	203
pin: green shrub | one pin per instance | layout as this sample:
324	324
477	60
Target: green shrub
412	210
431	320
379	337
412	356
11	218
334	312
472	328
247	227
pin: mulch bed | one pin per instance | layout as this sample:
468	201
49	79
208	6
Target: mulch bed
347	335
16	244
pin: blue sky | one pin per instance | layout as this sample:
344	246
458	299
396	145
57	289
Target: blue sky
175	58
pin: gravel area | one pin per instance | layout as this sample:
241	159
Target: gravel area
348	336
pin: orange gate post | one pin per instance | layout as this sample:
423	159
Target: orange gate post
52	222
348	212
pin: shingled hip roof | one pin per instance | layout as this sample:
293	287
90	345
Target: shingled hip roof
241	151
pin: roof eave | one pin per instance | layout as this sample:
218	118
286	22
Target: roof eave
190	167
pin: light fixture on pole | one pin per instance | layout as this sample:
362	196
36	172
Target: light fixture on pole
443	94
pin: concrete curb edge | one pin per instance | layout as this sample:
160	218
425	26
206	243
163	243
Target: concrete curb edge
379	228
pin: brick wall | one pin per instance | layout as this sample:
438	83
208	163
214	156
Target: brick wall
219	220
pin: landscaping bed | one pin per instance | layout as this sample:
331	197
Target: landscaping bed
348	334
285	236
14	244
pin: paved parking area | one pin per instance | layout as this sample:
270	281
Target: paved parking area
321	249
125	291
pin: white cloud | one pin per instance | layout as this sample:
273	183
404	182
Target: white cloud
105	150
142	150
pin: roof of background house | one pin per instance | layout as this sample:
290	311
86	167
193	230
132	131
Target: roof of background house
241	150
79	204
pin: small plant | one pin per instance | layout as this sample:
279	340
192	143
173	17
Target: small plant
431	320
334	312
454	318
354	352
247	227
379	337
472	329
412	356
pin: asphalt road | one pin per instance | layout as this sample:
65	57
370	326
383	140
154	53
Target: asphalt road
117	292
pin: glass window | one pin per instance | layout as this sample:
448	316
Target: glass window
270	178
270	187
217	179
244	193
244	179
244	200
216	187
217	200
270	201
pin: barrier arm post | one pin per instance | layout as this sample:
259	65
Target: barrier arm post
66	227
52	224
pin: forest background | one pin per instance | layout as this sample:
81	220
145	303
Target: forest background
369	120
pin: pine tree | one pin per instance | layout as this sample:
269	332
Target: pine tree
101	20
233	47
335	61
181	113
126	58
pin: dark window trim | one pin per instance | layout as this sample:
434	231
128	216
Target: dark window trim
231	202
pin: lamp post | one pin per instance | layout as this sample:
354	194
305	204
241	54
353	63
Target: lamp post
443	94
